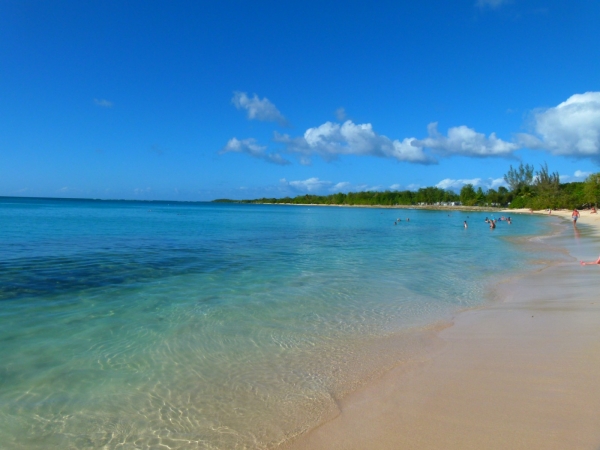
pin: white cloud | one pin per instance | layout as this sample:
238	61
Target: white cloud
395	187
258	109
104	103
310	185
330	140
315	185
456	185
449	183
581	174
495	183
465	141
340	187
572	128
250	147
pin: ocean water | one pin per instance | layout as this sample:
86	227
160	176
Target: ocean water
219	326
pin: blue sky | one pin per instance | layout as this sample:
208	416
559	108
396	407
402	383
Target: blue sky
201	100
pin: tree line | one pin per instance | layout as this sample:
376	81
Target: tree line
527	189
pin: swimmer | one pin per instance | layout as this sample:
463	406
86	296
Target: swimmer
407	219
465	224
492	224
583	263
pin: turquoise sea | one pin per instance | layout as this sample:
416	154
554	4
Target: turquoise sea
219	326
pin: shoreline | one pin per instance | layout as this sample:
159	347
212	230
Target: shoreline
510	374
420	207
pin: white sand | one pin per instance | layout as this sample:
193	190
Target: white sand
521	373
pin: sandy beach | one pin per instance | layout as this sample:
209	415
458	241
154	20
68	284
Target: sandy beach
518	373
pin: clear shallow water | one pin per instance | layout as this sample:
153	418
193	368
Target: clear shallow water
126	325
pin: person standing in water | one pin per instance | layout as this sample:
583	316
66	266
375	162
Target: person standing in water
575	216
465	224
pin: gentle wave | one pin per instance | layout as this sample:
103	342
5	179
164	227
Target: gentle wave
218	326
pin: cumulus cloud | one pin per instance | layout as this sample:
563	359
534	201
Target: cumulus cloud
456	185
258	109
341	186
495	183
465	141
572	128
250	147
309	185
104	103
315	185
449	183
578	175
331	140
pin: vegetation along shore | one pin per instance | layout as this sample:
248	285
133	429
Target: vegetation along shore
527	188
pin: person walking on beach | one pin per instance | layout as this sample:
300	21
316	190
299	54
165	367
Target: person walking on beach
583	263
575	216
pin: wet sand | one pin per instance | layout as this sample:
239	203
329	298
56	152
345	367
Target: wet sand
520	373
586	217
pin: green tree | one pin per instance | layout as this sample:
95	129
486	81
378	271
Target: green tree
480	196
520	177
468	196
503	195
493	197
546	188
545	180
591	189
